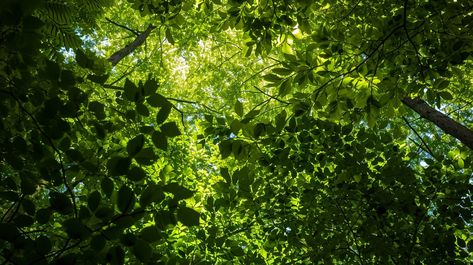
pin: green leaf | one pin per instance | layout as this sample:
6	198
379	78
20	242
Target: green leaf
160	140
28	206
272	78
98	109
82	60
107	186
250	115
125	199
152	193
237	251
188	216
151	234
97	242
146	156
136	173
259	130
446	95
178	191
8	232
142	250
131	91
112	232
118	166
135	145
104	212
170	129
280	120
60	203
163	114
285	88
10	196
43	215
93	201
164	218
239	108
84	212
75	229
116	255
441	84
128	239
282	71
99	79
169	36
225	148
142	109
157	100
150	86
43	245
23	220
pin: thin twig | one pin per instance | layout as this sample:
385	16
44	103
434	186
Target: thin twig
404	25
271	96
51	143
137	33
358	254
417	134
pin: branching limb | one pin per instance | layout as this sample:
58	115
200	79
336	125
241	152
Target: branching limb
140	39
420	138
271	96
51	143
137	33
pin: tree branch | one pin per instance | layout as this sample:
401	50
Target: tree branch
122	53
123	27
447	124
418	136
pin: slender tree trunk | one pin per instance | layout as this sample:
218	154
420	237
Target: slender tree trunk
122	53
447	124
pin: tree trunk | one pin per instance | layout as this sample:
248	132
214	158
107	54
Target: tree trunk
122	53
447	124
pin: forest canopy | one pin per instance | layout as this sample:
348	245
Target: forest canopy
236	132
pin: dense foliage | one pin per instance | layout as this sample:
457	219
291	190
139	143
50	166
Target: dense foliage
236	132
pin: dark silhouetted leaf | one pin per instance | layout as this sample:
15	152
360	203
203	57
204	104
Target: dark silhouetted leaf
239	108
135	145
146	156
163	114
8	232
142	250
170	129
151	234
157	100
118	166
136	173
178	191
43	245
93	200
107	186
97	242
60	202
188	216
150	86
76	229
125	199
152	193
116	255
160	140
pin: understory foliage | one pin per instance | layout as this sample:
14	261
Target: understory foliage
235	132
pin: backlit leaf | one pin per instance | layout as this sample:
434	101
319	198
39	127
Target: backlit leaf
125	199
188	216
